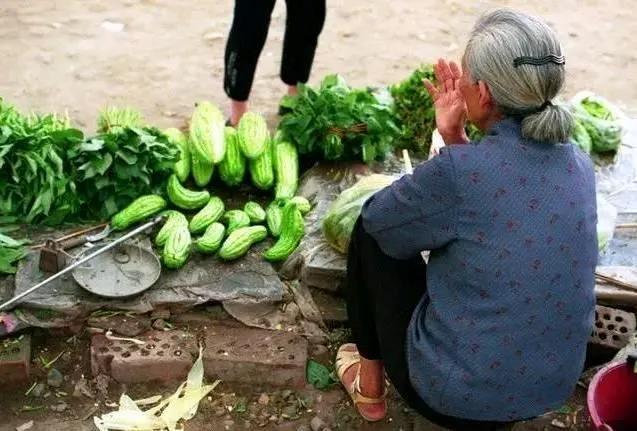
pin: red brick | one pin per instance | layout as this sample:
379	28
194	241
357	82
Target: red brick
166	356
255	356
15	361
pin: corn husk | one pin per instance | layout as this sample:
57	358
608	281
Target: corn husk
180	406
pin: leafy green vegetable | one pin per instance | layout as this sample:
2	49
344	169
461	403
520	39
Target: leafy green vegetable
35	184
50	174
319	376
414	108
474	133
336	122
9	257
7	241
11	251
600	122
114	119
116	167
415	111
581	138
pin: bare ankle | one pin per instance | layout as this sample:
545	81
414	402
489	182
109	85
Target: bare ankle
372	377
237	109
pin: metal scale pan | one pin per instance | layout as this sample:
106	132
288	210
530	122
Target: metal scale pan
123	271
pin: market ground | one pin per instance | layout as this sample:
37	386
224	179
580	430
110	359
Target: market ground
229	407
71	55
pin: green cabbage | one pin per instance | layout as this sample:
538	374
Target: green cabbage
581	138
601	122
342	215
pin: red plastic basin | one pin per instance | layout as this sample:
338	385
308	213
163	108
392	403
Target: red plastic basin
612	398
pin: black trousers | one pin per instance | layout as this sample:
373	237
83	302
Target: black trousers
304	22
382	294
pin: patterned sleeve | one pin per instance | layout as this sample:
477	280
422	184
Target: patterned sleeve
416	212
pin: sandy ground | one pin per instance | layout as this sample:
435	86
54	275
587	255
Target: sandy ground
71	55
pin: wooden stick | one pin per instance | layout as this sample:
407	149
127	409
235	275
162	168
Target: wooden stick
408	167
615	281
74	234
627	226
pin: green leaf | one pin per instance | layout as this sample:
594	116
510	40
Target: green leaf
9	257
131	159
57	161
102	165
110	206
92	145
288	102
8	219
318	375
9	228
46	200
7	241
369	151
102	182
565	410
32	164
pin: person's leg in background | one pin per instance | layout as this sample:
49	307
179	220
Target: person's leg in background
246	39
304	23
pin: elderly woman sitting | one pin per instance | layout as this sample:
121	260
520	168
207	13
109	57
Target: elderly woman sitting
494	328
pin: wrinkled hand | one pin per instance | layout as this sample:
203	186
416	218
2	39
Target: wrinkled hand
451	109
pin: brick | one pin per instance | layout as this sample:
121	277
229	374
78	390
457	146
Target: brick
162	313
613	327
255	356
330	278
127	326
333	308
15	361
166	356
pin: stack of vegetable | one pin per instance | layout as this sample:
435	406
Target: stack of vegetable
122	154
415	112
210	146
230	233
35	184
271	163
337	122
597	126
49	173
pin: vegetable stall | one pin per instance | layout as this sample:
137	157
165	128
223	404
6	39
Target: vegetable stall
229	196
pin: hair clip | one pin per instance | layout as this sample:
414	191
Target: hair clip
539	61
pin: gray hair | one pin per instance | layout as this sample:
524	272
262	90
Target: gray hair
525	91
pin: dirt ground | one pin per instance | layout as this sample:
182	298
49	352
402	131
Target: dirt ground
229	407
161	56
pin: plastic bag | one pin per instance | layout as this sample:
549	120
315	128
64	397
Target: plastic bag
601	119
606	219
618	181
343	213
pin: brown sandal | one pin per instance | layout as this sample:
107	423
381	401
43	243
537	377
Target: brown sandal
346	359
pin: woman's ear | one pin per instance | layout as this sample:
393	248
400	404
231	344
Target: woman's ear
485	99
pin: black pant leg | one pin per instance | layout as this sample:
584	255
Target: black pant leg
304	23
382	294
247	36
360	310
